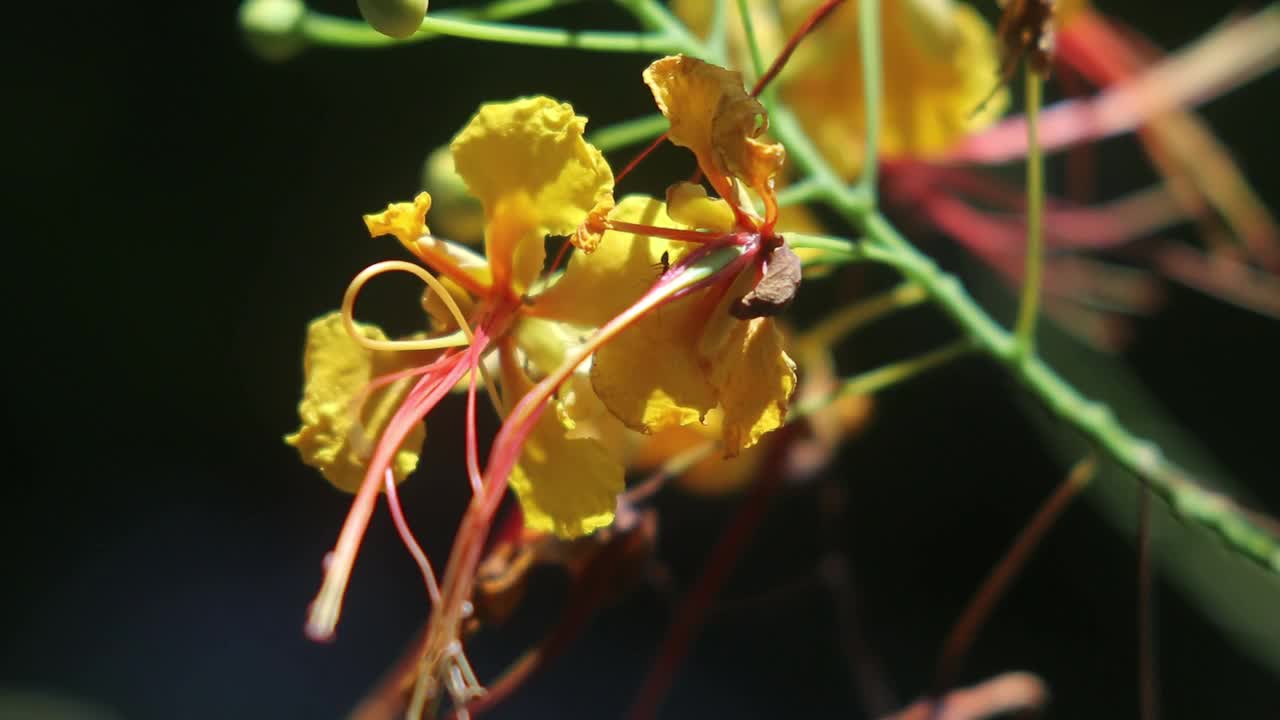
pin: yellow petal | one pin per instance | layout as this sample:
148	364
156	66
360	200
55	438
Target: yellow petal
688	204
650	376
585	416
597	287
711	114
566	486
514	243
714	474
407	221
534	146
333	437
754	379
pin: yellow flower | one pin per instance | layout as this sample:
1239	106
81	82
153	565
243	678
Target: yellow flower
533	173
940	61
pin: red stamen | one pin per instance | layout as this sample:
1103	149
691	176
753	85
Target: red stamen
636	160
696	236
560	256
693	608
323	615
410	542
473	462
809	25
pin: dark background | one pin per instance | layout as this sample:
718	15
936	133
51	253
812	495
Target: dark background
183	209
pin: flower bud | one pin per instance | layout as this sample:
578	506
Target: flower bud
271	27
458	216
394	18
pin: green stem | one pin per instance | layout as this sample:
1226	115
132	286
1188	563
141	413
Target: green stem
630	132
655	17
328	30
1092	419
1029	306
873	92
718	35
748	27
874	381
801	192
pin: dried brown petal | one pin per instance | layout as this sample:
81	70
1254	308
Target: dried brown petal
776	288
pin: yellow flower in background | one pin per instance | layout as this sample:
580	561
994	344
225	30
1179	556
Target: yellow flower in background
940	61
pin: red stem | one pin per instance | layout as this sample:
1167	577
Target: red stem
808	26
723	558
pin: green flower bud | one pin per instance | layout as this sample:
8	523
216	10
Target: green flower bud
456	213
272	27
395	18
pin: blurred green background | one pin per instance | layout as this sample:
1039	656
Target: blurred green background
183	209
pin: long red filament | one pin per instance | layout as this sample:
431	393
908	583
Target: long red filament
721	561
410	542
966	628
643	154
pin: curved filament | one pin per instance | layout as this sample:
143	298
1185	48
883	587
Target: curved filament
456	339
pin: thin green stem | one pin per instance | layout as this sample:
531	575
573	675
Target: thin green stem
852	317
872	92
630	132
655	17
1090	418
328	30
1029	306
718	35
874	381
748	27
801	192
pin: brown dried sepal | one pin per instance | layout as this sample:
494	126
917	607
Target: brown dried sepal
1026	30
776	288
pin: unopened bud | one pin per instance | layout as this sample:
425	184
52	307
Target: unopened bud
272	27
458	215
395	18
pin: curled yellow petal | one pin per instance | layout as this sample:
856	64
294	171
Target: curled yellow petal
534	146
566	486
754	379
407	221
336	437
712	115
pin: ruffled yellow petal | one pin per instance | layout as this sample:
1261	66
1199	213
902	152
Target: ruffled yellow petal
407	221
534	146
754	379
333	437
688	204
566	486
597	287
711	114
